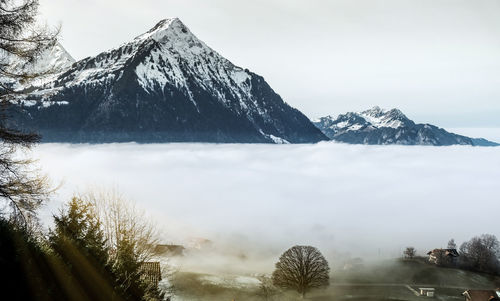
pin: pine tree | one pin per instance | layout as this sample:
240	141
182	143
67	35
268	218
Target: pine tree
79	242
21	41
27	266
126	267
98	271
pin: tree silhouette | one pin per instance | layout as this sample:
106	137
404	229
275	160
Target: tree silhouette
452	244
21	43
301	268
410	252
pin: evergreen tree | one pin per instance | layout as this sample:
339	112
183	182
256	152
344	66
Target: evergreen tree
127	268
79	243
127	265
27	266
20	42
97	270
131	238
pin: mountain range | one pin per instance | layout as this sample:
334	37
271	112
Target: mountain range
164	86
377	126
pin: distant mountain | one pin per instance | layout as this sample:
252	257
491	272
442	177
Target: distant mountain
164	86
52	61
377	126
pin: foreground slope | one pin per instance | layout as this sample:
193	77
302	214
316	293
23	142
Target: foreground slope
377	126
164	86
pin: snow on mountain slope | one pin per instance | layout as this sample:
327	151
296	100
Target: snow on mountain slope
370	119
380	118
55	58
177	55
176	41
377	126
49	64
165	85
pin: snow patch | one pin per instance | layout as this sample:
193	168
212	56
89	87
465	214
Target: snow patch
231	281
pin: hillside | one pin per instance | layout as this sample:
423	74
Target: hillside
386	280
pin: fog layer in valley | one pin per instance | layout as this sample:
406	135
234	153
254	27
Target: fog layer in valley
257	200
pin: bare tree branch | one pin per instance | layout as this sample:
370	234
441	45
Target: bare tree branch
21	43
301	268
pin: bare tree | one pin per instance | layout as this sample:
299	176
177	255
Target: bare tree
21	42
21	185
301	268
452	244
491	244
122	220
131	238
481	254
410	252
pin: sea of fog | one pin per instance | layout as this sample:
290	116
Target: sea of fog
369	201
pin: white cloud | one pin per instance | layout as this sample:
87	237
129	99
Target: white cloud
339	197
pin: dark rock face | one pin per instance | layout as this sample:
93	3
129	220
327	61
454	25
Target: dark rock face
164	86
376	126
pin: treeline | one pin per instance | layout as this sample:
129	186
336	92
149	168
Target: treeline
479	254
89	254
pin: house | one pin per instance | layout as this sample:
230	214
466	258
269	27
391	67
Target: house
443	256
481	295
151	272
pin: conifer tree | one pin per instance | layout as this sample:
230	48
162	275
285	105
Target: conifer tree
79	243
21	42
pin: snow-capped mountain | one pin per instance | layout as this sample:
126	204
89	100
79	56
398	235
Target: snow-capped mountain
56	59
165	85
377	126
52	61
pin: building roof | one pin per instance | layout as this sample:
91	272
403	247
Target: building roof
481	295
447	252
151	272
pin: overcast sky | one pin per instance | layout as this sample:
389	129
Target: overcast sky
437	60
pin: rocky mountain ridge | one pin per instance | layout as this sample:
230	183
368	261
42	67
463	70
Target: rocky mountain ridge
166	85
377	126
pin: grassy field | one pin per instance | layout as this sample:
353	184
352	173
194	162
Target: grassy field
386	280
417	272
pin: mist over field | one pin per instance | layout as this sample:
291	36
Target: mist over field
369	201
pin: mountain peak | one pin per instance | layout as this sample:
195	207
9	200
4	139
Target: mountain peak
167	28
165	85
376	111
170	23
378	126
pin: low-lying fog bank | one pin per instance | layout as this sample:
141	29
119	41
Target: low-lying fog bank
255	201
